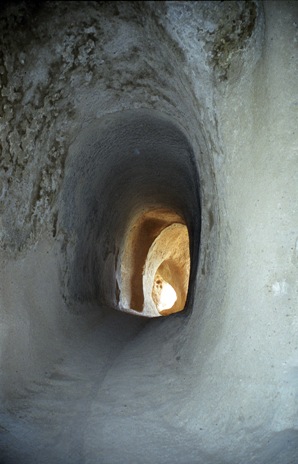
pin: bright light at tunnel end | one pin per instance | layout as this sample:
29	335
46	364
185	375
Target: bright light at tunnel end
167	297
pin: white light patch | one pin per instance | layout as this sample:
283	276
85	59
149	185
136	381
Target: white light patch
167	297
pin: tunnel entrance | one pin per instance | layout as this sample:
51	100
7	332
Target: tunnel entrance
135	223
155	263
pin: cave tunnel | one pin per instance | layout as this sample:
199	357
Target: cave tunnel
155	264
137	190
148	233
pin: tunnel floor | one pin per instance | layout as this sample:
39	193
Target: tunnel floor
63	404
82	412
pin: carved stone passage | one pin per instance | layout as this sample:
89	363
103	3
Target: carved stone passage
148	165
167	263
155	263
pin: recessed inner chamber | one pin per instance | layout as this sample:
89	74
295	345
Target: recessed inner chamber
155	264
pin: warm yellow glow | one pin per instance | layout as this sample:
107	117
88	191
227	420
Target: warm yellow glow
165	295
141	233
168	262
154	270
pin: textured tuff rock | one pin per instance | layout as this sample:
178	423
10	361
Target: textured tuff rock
64	64
111	112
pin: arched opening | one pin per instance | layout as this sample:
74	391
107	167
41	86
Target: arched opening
131	177
155	263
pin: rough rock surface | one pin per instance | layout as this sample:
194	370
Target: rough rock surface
214	83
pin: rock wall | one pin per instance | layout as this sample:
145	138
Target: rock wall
207	89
